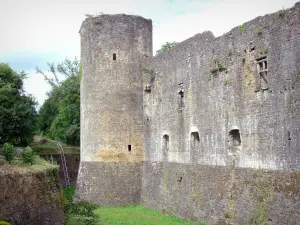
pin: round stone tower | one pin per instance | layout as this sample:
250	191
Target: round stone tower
113	48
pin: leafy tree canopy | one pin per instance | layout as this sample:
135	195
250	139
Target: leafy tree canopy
166	46
17	110
59	116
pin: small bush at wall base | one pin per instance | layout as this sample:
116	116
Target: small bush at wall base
28	156
9	152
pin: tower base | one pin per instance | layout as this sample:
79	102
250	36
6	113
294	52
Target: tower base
109	184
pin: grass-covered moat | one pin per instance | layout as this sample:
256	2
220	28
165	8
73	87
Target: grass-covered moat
88	214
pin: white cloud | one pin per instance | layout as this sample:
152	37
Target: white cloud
36	86
51	27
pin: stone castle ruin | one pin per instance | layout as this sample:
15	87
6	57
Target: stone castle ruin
208	131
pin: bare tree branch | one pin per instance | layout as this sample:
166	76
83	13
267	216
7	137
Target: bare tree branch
47	79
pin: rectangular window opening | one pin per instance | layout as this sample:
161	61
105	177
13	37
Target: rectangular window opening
262	70
129	148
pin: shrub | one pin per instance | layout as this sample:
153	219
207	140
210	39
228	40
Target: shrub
4	223
147	70
282	12
69	194
28	156
259	31
218	68
88	15
242	28
9	152
166	47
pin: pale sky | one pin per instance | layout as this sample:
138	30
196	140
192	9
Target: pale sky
34	32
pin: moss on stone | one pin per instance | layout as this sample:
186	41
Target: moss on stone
167	179
264	196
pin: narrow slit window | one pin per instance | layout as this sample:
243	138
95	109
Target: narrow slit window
165	142
114	56
165	147
181	99
289	136
129	148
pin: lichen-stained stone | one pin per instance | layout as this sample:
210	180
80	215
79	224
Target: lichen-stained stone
245	82
109	183
113	48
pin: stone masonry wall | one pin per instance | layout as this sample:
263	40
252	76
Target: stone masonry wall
217	128
30	196
111	88
109	184
222	195
223	93
112	50
72	161
221	141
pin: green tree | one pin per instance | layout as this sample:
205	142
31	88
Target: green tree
47	114
59	116
66	125
166	46
17	110
28	156
9	152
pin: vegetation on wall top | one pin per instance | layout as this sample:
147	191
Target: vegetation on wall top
242	28
88	15
166	47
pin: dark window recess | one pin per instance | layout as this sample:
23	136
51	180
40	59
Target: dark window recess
114	56
195	139
129	148
180	179
289	136
181	99
235	138
165	146
165	142
181	93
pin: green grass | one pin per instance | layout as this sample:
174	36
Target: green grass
50	147
18	165
56	151
129	215
84	213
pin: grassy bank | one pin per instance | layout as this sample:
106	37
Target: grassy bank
44	146
130	215
82	213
